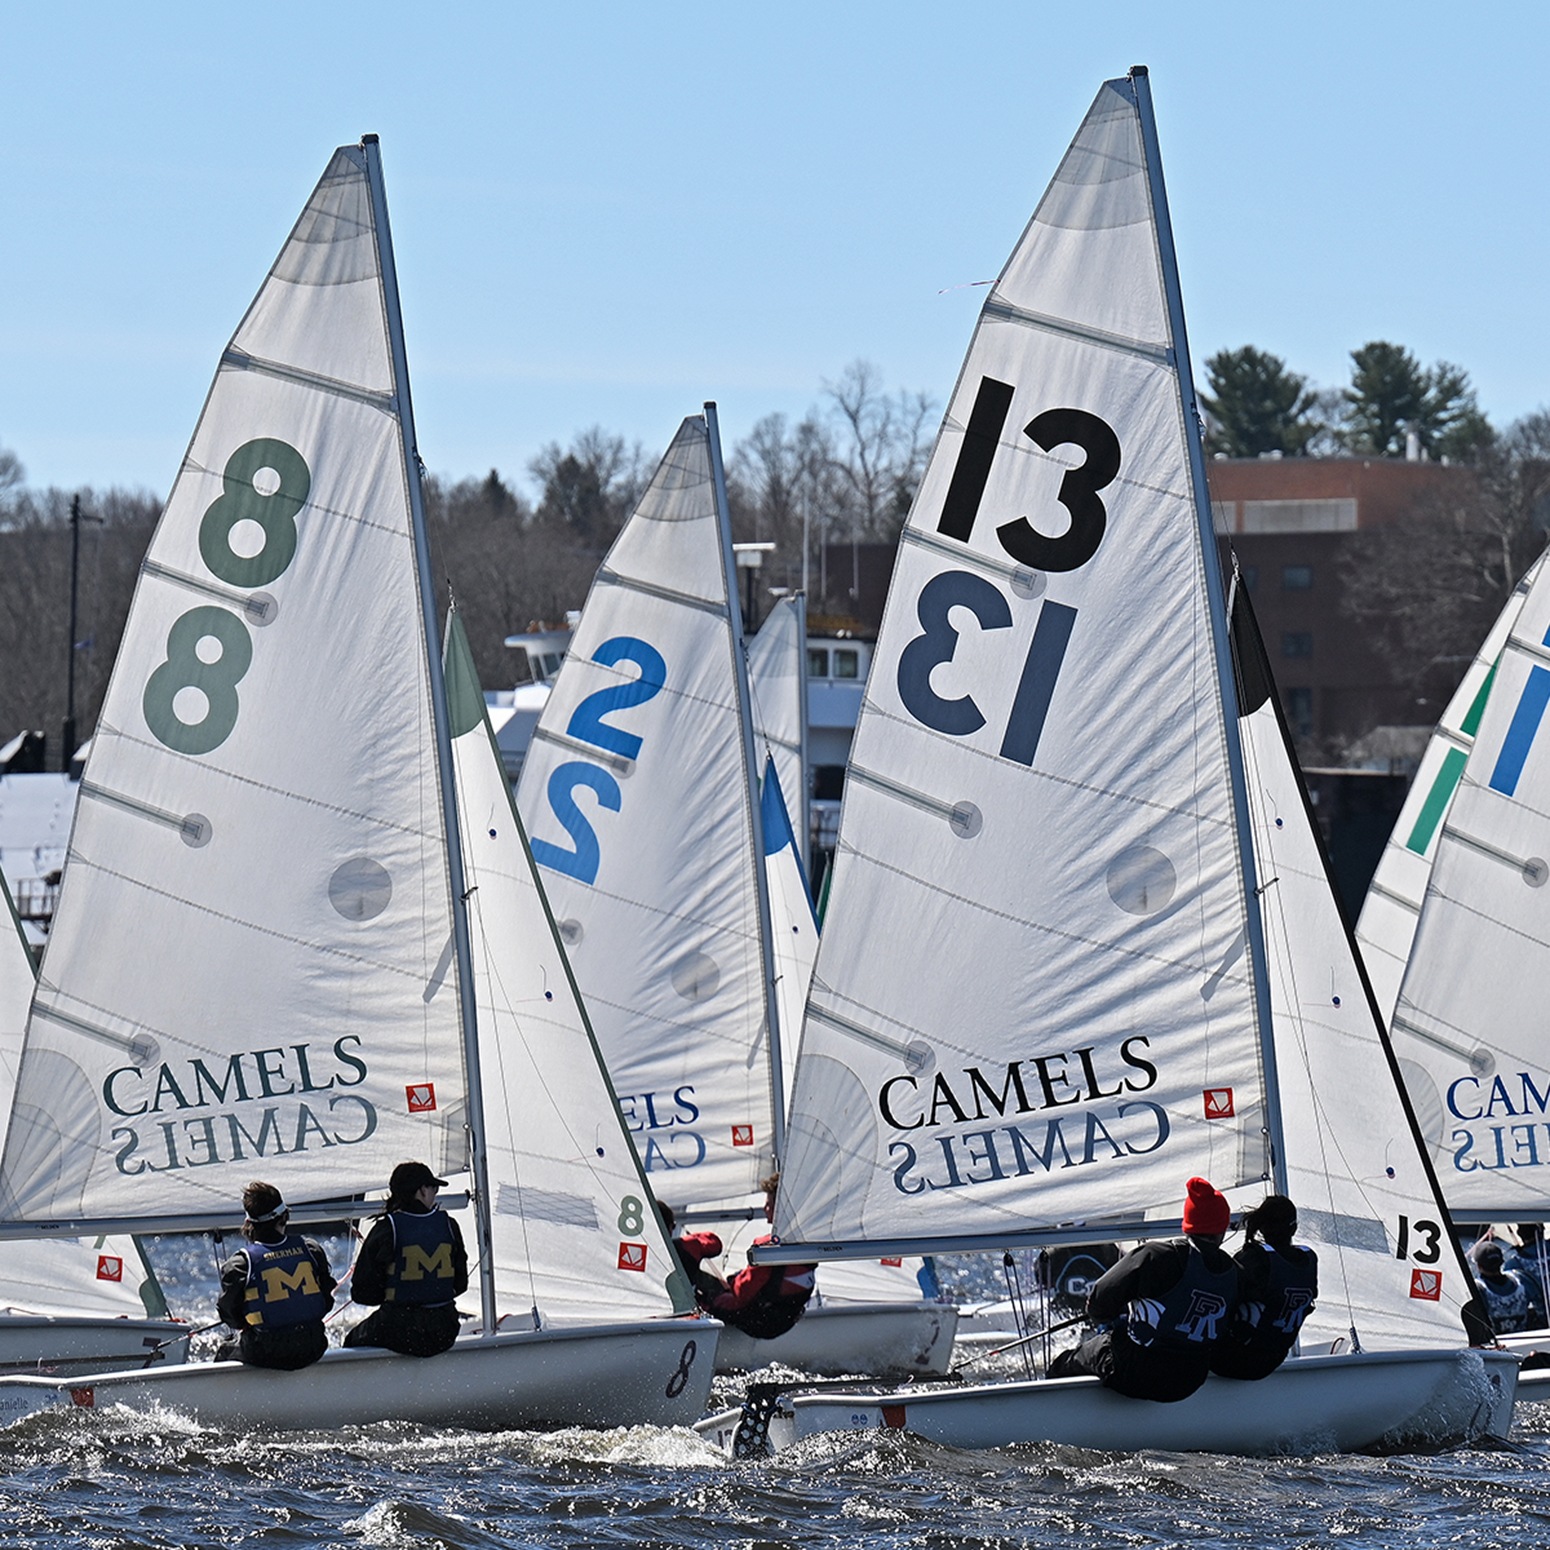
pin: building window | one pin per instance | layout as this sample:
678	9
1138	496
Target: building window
1297	643
1296	578
846	664
817	663
1299	711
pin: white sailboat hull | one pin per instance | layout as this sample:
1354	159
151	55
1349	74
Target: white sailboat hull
64	1345
1319	1404
880	1338
654	1372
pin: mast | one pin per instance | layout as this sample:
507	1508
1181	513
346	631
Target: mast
478	1162
1216	609
803	796
755	821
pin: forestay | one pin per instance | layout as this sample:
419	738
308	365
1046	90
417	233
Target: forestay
1366	1197
576	1237
1033	1002
1469	1023
1386	930
251	968
638	798
101	1275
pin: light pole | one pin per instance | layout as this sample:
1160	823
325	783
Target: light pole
76	518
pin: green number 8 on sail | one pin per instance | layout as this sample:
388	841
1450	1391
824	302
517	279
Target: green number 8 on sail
275	513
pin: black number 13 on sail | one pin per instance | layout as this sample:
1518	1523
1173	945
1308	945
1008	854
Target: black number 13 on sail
1025	544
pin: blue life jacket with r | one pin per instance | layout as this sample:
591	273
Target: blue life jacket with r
1273	1325
1194	1315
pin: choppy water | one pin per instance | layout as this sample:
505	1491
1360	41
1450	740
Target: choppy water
109	1480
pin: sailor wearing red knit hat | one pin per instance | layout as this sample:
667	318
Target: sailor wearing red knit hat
1163	1309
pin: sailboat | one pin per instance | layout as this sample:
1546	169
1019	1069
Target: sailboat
1386	929
640	791
74	1304
1459	1054
1081	943
263	961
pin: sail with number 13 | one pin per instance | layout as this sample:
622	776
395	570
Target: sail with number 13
1081	942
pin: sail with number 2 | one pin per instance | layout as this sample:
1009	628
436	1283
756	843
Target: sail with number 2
638	796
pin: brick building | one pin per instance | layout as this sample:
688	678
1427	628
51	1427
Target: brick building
1288	520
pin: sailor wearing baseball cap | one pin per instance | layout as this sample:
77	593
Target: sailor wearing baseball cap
411	1268
1163	1309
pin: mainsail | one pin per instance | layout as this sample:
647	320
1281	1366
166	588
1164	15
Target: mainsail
1367	1201
576	1236
1034	1002
1469	1022
642	811
251	970
1386	930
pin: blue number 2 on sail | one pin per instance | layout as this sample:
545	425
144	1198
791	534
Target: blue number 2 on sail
586	725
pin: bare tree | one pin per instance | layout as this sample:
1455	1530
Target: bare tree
1427	591
35	602
882	441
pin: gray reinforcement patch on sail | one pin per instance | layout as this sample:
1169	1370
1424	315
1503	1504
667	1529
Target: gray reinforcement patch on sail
545	1205
1341	1231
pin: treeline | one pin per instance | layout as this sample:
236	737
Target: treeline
850	466
1257	406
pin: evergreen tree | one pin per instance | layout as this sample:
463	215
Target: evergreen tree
1392	394
1256	405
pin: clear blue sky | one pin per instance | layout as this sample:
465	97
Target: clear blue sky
606	213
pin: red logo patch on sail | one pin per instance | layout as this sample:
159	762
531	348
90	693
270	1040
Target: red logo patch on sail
422	1098
1427	1284
632	1256
1219	1103
742	1135
110	1267
896	1263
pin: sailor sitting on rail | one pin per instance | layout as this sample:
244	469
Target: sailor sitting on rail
276	1291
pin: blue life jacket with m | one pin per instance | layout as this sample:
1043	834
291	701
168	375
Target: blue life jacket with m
423	1270
283	1287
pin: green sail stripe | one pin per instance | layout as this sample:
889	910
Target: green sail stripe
1437	800
1477	708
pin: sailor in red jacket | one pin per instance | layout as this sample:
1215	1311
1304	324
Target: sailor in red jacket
762	1300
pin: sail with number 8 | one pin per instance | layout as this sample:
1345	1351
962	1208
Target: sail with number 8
261	964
